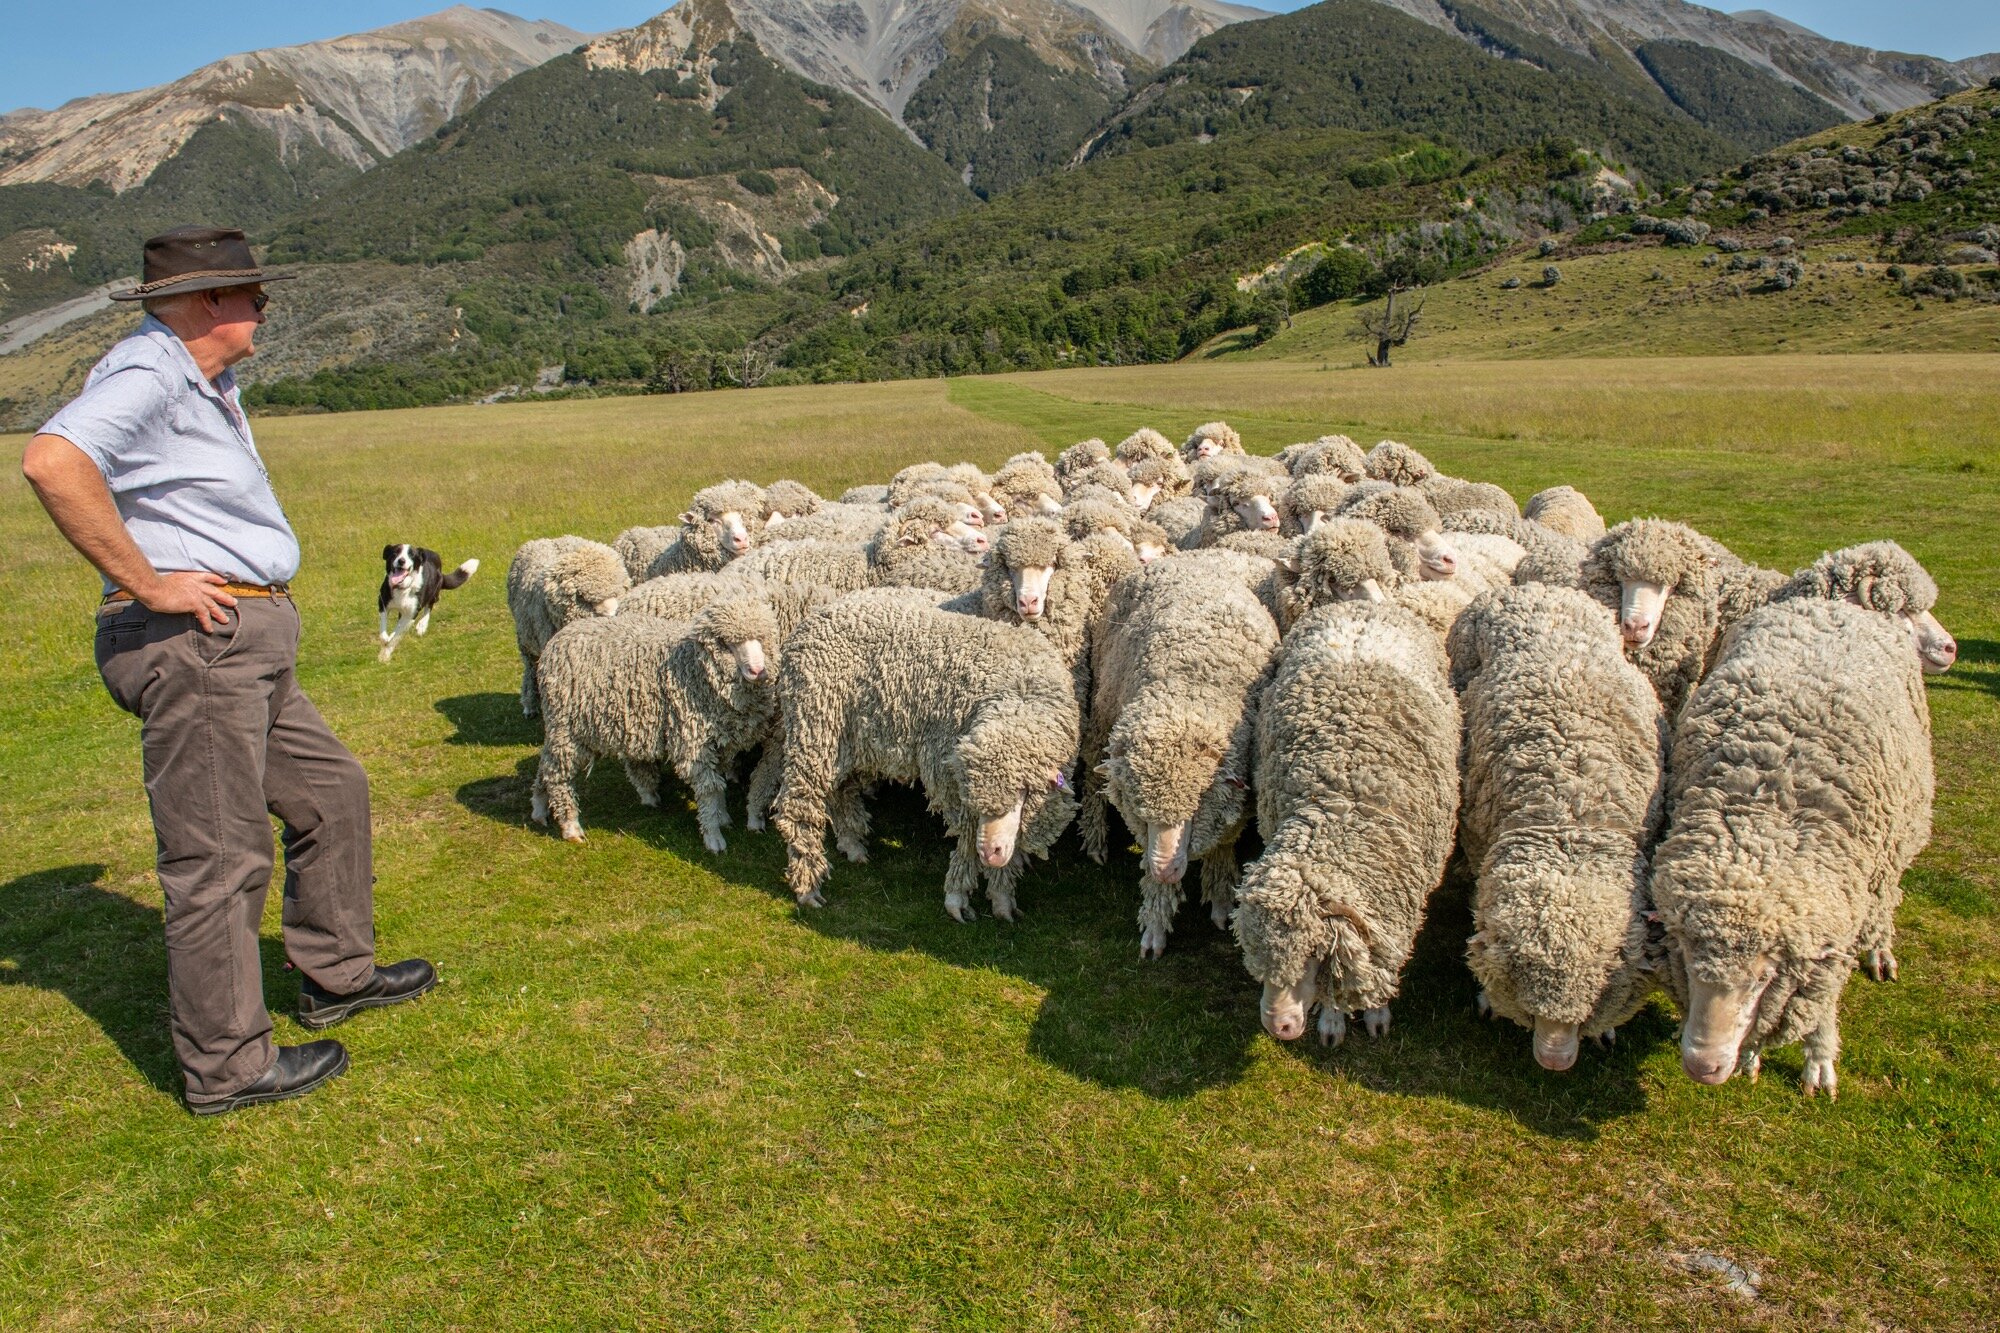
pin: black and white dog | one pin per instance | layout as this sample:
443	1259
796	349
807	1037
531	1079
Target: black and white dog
410	587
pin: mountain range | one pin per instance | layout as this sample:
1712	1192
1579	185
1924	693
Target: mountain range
520	192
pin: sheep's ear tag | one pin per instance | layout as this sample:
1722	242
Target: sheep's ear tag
1058	781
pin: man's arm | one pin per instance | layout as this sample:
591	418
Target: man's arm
73	491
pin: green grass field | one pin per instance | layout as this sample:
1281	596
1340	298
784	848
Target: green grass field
649	1093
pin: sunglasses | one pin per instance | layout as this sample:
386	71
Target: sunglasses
258	300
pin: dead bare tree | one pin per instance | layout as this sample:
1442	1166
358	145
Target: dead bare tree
748	368
1391	326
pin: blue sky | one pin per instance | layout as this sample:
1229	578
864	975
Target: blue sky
55	52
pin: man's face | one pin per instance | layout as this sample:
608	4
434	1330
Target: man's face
235	313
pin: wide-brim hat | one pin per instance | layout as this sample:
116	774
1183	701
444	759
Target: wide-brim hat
197	259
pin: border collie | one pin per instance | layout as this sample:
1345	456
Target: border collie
410	586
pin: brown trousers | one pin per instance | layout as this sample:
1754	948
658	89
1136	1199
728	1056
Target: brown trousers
227	737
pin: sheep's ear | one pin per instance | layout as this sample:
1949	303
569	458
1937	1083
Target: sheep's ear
1238	783
910	539
1057	781
688	518
1289	563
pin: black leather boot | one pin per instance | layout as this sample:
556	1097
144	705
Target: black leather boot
296	1071
320	1008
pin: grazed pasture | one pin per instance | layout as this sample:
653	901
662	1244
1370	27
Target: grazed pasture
651	1094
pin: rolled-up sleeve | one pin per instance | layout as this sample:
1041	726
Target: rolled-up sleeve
118	421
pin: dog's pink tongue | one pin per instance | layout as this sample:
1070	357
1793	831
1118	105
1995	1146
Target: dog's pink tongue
396	579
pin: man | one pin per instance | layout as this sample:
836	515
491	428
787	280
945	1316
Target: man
152	475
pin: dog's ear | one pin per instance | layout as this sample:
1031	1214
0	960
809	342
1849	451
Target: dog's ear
388	554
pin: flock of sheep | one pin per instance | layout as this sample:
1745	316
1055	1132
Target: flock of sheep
1666	768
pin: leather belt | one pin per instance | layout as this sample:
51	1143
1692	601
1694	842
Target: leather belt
233	589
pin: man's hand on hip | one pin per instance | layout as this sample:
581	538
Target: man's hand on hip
197	594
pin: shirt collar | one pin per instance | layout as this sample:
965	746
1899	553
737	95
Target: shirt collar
152	326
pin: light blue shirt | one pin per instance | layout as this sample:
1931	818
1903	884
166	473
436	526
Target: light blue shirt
177	454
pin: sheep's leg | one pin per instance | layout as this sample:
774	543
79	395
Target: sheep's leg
1219	877
556	777
1750	1063
1376	1020
1332	1025
1822	1047
850	821
1093	819
531	695
538	801
1000	884
710	798
1482	1005
800	814
1158	901
645	778
764	784
961	876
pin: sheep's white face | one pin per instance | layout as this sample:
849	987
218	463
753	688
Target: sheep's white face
735	532
1118	536
1149	551
1030	586
997	837
749	656
1936	649
1556	1044
1367	591
964	536
1204	448
1258	514
1143	495
607	607
1639	607
1719	1015
972	517
1283	1009
1311	521
1436	558
990	507
1166	852
1046	504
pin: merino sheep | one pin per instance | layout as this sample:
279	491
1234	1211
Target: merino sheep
1335	454
981	715
1419	549
1080	457
1243	500
638	548
1563	763
786	499
1103	476
1398	464
692	695
924	544
1312	498
1566	510
877	495
1357	799
975	480
720	523
1183	657
1157	479
1450	496
834	522
1769	888
1883	577
552	581
1026	484
1100	513
1144	443
1348	560
1212	437
1675	592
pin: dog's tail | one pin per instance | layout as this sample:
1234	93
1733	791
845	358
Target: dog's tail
460	575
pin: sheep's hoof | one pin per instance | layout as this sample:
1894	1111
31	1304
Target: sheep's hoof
1750	1065
1819	1075
857	852
572	832
1332	1027
714	842
1005	910
538	809
1483	1005
1882	964
959	910
1606	1040
1152	943
650	799
1376	1021
1219	914
812	898
753	822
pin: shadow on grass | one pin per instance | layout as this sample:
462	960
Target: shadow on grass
60	931
1978	668
488	719
1169	1028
